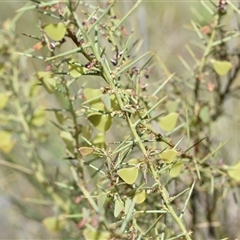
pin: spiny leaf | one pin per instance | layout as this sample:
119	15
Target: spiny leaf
222	67
100	121
168	122
169	155
56	31
140	197
128	175
75	70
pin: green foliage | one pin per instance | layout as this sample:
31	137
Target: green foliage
222	67
168	155
128	175
53	224
233	171
137	162
56	31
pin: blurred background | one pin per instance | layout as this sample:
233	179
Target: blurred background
165	28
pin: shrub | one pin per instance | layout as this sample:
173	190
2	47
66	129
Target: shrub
140	162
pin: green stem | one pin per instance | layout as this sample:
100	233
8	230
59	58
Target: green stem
170	209
162	190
